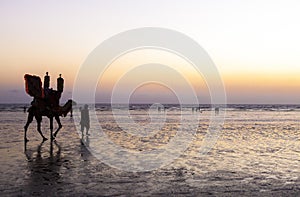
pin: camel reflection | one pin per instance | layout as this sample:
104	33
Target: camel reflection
44	169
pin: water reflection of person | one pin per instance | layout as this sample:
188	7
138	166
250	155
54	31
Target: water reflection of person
84	152
85	140
85	119
84	144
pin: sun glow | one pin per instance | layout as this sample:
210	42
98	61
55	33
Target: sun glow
142	65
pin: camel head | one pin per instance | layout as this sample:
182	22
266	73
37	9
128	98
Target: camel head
68	107
70	101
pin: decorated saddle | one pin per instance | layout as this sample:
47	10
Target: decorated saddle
33	87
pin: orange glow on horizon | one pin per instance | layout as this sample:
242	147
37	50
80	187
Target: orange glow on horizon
271	81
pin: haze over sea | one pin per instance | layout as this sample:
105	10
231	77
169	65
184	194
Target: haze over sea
257	153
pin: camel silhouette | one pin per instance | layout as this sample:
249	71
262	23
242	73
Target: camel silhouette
42	109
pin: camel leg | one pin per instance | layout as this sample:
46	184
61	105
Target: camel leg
51	128
39	120
29	120
59	125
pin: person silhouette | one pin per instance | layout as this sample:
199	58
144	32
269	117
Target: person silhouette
85	119
46	86
217	111
60	84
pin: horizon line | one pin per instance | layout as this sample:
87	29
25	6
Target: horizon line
147	103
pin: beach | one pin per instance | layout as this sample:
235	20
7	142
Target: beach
257	153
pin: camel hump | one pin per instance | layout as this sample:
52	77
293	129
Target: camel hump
33	86
52	97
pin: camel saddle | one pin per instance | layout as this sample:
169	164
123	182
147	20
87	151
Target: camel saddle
43	98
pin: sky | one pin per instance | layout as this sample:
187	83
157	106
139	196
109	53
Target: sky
254	44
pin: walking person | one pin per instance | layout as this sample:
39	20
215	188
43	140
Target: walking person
85	119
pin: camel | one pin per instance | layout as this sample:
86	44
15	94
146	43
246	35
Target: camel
41	109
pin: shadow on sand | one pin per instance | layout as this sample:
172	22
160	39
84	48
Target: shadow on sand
44	168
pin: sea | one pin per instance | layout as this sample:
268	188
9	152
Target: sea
133	150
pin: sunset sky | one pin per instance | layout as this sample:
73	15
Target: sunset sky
254	44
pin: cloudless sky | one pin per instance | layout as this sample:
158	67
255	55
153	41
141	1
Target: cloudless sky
255	44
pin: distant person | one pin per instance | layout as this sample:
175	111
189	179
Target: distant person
60	84
198	109
24	108
46	81
217	110
46	86
85	119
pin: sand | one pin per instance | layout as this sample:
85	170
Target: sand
258	153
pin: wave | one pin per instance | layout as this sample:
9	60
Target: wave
172	107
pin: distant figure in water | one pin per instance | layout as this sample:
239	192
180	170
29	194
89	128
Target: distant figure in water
197	109
24	108
217	110
85	119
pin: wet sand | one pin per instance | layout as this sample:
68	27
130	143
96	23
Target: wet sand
252	157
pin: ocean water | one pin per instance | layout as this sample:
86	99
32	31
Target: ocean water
257	153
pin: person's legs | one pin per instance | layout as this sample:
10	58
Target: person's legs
87	129
82	128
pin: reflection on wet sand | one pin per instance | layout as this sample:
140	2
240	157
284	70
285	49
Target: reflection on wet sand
44	166
84	144
257	154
